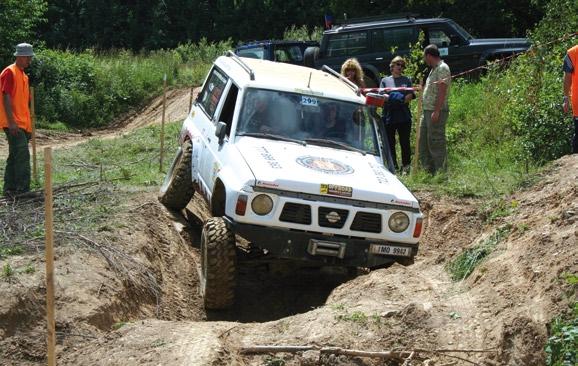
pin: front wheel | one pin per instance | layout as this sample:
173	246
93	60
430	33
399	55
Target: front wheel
177	188
218	264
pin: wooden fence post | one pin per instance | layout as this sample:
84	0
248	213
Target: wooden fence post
417	130
48	227
163	122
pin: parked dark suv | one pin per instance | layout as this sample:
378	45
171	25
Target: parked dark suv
371	42
281	51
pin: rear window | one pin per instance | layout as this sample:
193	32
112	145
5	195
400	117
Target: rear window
347	44
394	38
256	52
286	53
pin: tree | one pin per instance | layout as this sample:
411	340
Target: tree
18	24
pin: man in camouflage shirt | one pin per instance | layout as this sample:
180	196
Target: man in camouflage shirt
432	143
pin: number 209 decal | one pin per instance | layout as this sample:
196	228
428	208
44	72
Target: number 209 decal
305	100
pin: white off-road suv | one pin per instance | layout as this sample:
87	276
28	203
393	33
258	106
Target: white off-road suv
290	159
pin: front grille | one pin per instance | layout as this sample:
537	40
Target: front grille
323	221
297	213
367	222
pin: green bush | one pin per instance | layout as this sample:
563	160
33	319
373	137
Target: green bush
88	90
532	92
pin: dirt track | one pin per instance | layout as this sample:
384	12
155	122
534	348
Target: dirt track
156	316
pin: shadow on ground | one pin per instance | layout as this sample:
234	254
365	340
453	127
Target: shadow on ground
269	291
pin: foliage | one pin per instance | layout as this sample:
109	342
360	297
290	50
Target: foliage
462	266
303	33
532	87
88	89
19	22
562	345
156	24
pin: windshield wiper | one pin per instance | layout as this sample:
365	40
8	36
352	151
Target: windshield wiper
335	143
272	137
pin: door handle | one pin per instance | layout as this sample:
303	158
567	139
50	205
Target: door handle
379	59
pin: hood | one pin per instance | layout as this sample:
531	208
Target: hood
321	170
500	42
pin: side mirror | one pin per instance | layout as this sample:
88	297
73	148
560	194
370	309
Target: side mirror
374	99
221	131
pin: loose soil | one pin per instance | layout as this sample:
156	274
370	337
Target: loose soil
133	298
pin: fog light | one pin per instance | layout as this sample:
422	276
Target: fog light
398	222
262	204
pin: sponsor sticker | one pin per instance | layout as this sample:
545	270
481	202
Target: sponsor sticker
336	190
262	183
324	165
444	51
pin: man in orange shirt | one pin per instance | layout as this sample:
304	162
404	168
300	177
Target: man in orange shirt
571	90
15	121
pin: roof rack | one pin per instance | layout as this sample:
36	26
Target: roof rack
409	16
348	82
241	63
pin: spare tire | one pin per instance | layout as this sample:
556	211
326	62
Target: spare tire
310	56
177	188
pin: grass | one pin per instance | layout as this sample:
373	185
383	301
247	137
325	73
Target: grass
562	345
101	176
463	265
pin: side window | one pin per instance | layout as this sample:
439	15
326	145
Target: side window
229	107
347	44
440	38
211	94
256	52
385	40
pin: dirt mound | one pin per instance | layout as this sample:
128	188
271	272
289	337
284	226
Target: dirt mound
502	308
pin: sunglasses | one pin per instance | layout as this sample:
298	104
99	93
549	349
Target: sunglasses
400	65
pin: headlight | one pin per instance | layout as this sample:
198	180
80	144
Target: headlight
398	222
262	204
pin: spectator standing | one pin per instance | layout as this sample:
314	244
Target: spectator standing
571	90
432	142
16	122
396	114
352	70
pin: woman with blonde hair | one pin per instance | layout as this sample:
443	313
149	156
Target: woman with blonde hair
351	69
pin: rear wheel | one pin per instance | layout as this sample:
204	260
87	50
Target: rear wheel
177	189
218	264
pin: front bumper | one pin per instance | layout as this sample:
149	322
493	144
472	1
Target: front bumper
319	248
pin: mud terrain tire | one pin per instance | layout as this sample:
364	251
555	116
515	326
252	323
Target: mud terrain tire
177	189
218	264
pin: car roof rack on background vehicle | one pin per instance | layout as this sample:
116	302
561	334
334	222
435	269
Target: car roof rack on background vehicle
238	60
342	78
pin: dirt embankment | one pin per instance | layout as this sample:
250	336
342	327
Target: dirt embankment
129	295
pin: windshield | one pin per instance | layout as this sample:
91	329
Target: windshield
307	119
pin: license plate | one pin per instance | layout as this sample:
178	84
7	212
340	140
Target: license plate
390	250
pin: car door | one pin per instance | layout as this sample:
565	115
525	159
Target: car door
453	48
209	102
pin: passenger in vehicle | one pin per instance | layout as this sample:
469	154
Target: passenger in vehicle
331	125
